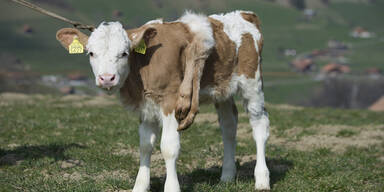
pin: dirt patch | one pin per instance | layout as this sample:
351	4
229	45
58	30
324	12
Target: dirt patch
206	118
306	139
86	101
70	163
116	174
98	101
73	176
64	101
157	162
326	136
73	98
13	98
13	145
284	107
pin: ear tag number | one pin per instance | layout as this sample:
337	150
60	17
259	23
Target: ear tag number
141	48
76	47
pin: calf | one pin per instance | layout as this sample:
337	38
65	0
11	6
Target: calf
217	56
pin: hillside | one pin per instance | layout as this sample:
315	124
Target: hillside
284	27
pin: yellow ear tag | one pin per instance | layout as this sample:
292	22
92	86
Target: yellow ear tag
141	48
76	47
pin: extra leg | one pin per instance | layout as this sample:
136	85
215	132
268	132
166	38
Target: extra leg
227	112
147	133
170	146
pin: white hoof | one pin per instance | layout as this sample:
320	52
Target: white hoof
139	189
262	180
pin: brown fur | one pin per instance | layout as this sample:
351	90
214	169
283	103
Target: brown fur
153	77
253	18
221	63
248	57
174	83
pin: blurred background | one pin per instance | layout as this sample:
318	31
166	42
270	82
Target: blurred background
316	52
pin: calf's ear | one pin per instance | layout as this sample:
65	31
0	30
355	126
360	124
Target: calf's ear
66	35
145	34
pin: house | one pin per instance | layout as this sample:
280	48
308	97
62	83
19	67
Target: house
334	44
335	68
378	105
27	29
374	72
319	53
290	52
309	14
303	65
360	32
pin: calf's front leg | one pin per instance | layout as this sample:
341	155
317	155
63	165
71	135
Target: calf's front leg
147	132
170	146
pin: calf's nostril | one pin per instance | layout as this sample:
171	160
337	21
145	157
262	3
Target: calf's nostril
101	78
113	78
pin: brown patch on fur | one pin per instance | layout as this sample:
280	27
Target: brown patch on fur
248	57
253	18
151	75
221	63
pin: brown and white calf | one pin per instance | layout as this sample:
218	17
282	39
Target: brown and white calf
217	56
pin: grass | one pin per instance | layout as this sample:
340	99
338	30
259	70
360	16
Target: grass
54	144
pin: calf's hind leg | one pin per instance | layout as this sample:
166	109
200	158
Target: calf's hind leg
227	113
258	117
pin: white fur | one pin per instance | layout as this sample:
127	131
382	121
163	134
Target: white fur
235	26
170	146
148	133
107	43
155	21
251	90
200	26
150	111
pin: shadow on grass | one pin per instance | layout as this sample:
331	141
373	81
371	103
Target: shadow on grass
14	156
211	176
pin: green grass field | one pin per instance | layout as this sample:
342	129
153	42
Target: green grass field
78	143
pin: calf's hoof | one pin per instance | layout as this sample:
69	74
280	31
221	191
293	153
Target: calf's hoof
262	180
183	106
228	175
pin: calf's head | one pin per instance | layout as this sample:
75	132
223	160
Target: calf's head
108	47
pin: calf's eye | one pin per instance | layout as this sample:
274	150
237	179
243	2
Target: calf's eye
124	54
91	54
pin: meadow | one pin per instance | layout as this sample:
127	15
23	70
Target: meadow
79	143
83	143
